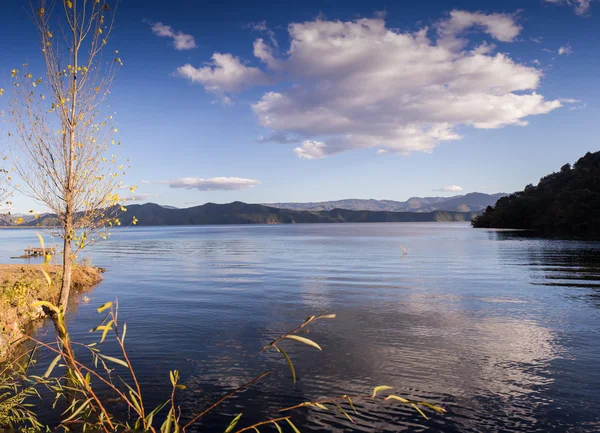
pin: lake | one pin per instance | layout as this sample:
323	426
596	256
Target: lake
501	329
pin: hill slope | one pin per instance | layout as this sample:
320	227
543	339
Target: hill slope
242	213
471	202
566	203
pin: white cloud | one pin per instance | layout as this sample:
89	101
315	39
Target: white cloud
181	41
359	84
140	197
449	188
262	27
212	184
502	27
565	50
537	40
279	137
225	74
581	7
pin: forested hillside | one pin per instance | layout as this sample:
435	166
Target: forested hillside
566	203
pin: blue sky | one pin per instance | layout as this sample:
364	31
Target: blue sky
375	106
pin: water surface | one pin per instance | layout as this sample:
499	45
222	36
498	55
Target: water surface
501	330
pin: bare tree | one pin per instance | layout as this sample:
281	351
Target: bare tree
63	134
5	192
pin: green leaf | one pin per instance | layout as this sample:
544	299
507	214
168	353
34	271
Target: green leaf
79	409
232	424
278	428
289	361
51	366
135	402
327	316
304	340
166	427
320	406
115	360
105	306
124	333
380	388
156	410
289	421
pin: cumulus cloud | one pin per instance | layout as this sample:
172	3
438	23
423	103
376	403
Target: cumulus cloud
224	75
449	188
213	184
181	41
358	84
565	50
502	27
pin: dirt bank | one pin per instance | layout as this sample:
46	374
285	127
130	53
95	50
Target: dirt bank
22	285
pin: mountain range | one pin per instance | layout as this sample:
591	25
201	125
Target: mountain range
472	202
151	214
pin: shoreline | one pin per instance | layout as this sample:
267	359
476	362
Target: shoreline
23	284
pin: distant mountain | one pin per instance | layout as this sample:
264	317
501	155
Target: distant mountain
472	202
150	214
566	203
11	219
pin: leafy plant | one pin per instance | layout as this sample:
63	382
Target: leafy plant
15	389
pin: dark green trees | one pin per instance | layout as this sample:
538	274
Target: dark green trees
566	203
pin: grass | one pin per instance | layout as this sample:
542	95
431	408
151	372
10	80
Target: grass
21	286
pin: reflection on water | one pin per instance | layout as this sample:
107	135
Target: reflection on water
500	328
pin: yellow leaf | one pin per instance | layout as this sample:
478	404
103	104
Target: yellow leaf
304	340
395	397
420	411
380	388
105	306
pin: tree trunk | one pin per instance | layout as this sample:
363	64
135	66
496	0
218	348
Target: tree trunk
67	267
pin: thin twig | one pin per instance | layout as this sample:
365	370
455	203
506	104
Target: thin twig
235	391
269	421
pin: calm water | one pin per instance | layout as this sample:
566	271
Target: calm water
501	330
